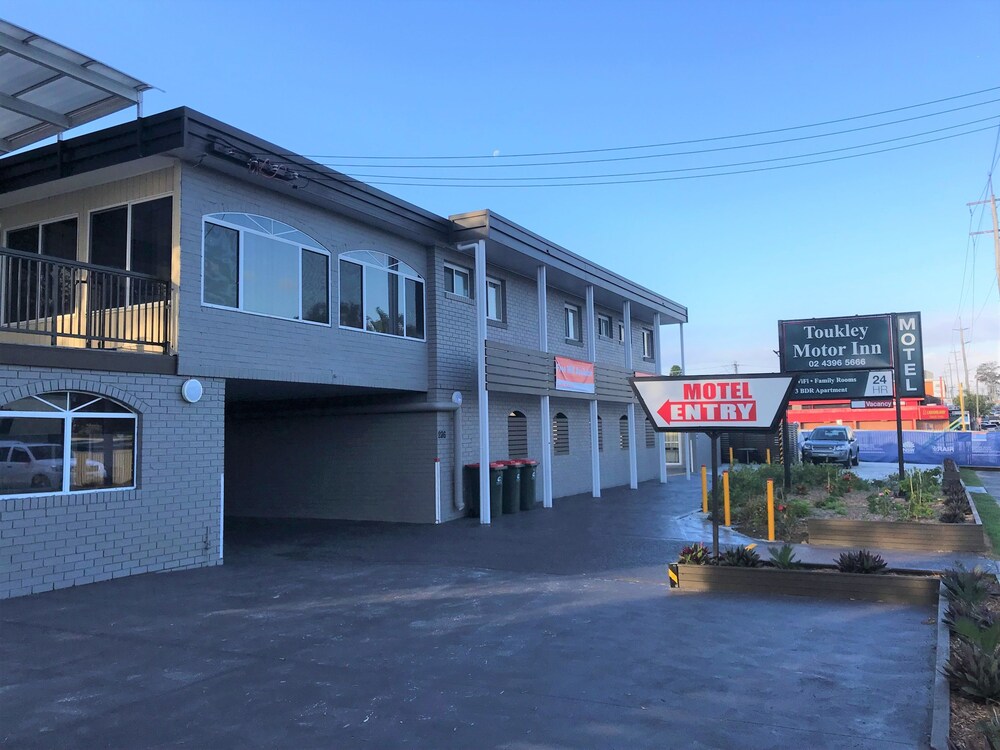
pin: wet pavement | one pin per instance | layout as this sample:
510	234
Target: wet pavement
550	629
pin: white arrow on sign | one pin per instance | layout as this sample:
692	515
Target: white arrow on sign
720	402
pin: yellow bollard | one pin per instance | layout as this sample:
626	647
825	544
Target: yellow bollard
768	456
725	494
770	510
730	456
704	490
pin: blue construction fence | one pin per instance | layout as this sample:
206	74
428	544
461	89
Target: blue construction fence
966	448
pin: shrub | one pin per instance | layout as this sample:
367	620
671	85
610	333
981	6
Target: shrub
740	557
959	609
832	503
694	554
952	515
862	561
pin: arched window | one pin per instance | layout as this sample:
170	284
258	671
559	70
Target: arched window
98	434
560	434
381	294
623	433
650	435
600	434
263	266
517	435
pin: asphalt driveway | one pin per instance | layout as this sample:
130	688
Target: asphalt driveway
553	629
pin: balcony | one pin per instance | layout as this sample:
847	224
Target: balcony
46	301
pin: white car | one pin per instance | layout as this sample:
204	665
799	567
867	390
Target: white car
37	467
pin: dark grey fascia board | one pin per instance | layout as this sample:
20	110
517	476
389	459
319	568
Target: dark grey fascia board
325	187
494	228
185	134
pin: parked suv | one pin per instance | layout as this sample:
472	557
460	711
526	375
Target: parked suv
39	466
831	443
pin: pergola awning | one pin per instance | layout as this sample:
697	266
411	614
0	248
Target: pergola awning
46	88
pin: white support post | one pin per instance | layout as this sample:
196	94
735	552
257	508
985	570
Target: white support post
546	453
688	463
633	467
590	331
484	405
546	418
661	440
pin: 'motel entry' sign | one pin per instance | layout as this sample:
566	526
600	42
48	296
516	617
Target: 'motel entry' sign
706	403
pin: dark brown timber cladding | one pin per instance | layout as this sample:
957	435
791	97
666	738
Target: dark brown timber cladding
947	537
824	584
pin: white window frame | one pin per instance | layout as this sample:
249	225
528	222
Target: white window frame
497	315
602	318
452	269
572	312
67	415
314	248
403	275
647	344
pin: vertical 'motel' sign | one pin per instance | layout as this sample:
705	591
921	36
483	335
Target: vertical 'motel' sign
910	355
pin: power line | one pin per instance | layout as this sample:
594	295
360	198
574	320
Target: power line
685	169
669	143
381	182
692	152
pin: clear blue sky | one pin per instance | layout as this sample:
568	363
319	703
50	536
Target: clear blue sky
881	233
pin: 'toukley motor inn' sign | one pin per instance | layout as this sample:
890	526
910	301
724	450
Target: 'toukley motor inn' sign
823	344
714	402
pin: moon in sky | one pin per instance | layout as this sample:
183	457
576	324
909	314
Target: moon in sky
496	152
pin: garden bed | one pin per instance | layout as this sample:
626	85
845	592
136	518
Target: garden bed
829	506
823	581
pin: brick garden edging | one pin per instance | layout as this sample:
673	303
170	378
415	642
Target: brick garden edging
824	581
905	535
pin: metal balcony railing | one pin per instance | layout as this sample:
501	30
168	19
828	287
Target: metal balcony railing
65	303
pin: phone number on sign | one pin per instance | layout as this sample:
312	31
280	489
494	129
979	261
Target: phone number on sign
849	362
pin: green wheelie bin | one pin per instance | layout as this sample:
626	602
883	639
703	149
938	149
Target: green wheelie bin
511	486
496	488
529	475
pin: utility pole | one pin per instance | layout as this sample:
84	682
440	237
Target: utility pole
996	238
965	362
736	367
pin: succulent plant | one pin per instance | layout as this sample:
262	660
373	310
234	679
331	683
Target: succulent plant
972	586
974	672
862	561
952	515
740	557
784	557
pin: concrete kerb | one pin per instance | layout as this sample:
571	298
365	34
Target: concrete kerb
941	696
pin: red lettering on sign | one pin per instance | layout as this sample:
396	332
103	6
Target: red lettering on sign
708	411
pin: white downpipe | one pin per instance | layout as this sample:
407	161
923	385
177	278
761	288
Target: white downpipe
546	418
661	440
437	490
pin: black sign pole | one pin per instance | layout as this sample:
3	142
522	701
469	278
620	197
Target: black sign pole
786	452
715	492
899	397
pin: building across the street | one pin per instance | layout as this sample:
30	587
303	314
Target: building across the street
196	324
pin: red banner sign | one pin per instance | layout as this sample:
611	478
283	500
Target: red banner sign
574	375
